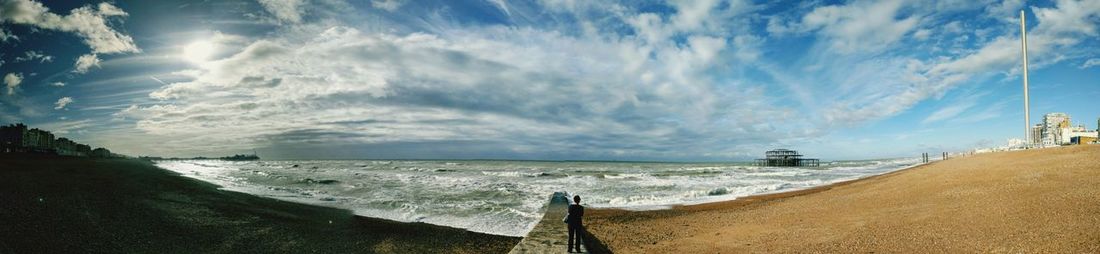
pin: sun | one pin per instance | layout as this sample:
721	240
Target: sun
198	51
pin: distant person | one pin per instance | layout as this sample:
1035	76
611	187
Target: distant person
573	219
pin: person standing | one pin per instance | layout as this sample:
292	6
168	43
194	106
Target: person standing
573	220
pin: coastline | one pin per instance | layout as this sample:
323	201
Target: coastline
987	203
745	200
355	185
63	205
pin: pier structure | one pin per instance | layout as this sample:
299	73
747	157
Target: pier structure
786	158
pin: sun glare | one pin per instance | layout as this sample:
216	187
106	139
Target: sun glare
198	52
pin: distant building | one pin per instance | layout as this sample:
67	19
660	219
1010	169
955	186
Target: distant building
11	137
1036	135
1011	144
1053	123
66	147
1081	140
101	153
38	140
16	138
83	150
1076	135
1015	143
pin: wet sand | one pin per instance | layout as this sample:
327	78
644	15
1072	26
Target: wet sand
1044	200
54	204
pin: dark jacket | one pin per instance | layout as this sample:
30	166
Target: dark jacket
576	212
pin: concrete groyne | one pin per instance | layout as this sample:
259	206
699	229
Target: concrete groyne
550	234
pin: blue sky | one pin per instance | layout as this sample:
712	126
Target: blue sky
547	79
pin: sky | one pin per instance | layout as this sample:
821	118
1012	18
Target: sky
705	80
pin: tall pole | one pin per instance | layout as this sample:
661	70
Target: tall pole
1027	108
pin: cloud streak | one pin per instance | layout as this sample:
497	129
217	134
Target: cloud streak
34	55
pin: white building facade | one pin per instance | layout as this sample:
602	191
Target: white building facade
1079	131
1053	123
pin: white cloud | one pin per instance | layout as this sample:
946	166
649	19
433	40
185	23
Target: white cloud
952	27
1068	17
860	26
949	111
690	15
106	9
997	54
58	84
12	81
1006	11
606	73
1090	63
778	26
388	5
691	18
500	4
872	89
1059	27
87	22
285	10
897	89
61	103
922	34
34	55
6	35
748	47
494	84
85	62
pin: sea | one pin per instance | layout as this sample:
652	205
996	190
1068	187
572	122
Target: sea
508	197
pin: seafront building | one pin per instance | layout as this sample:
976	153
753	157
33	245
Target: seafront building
101	152
66	147
1036	135
1078	135
1081	140
17	138
1057	130
1077	131
1053	123
1013	143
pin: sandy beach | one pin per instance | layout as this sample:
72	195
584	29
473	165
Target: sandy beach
1042	200
52	204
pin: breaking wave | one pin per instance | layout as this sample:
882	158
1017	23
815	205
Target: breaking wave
506	197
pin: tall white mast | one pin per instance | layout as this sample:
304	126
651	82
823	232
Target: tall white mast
1027	108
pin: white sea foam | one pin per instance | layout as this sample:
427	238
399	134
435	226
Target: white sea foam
506	197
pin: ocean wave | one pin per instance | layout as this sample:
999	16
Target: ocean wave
507	197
